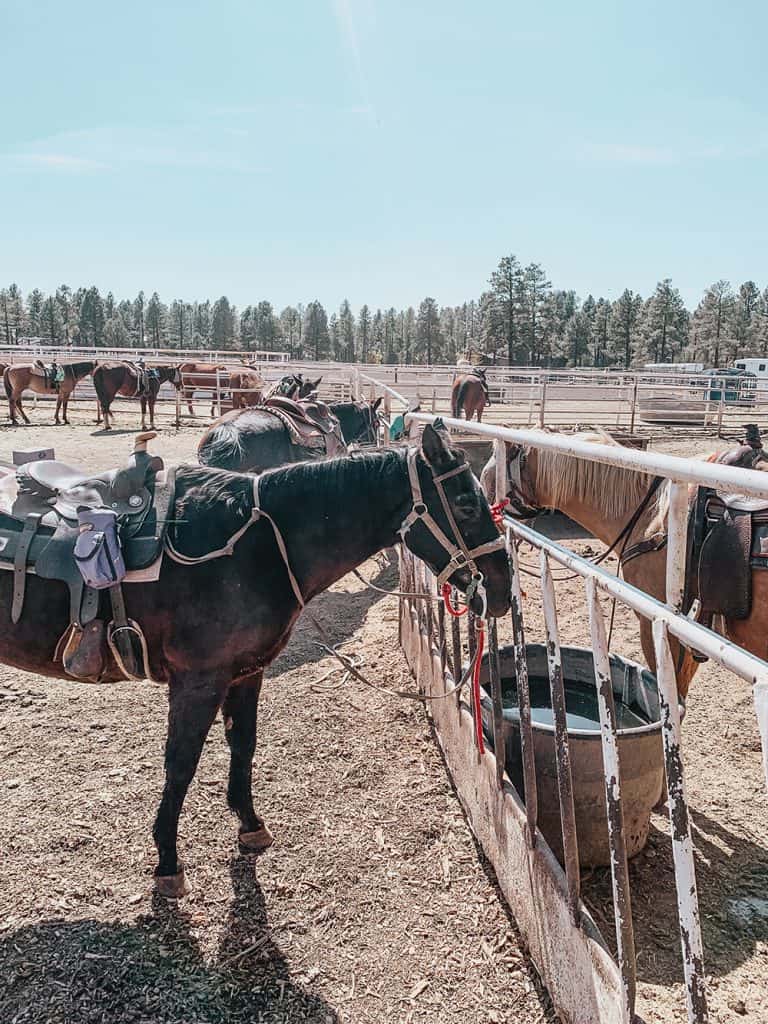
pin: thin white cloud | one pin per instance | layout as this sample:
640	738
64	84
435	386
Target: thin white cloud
661	156
343	13
56	162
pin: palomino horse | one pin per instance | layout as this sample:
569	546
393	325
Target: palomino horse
603	499
243	385
21	377
131	381
213	624
255	439
470	393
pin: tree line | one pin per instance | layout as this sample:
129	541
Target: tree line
519	319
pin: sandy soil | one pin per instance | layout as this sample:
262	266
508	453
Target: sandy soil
373	905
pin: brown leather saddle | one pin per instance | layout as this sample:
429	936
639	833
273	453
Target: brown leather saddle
310	423
52	375
727	539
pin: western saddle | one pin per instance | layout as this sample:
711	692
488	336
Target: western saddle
310	423
727	539
52	375
40	533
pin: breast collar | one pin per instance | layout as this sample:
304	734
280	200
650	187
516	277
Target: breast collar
459	554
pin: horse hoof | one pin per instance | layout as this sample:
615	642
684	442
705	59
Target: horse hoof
255	842
172	887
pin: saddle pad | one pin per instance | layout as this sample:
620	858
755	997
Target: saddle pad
724	570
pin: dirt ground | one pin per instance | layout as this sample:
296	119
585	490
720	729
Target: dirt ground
374	904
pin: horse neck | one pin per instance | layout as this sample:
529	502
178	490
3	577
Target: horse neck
602	519
334	515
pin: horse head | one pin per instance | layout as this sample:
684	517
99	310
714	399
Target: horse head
450	526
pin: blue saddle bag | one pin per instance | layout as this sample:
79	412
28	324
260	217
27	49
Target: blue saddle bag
97	548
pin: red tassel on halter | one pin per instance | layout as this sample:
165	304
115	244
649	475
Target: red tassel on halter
455	612
497	511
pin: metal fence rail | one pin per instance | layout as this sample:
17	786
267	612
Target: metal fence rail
521	883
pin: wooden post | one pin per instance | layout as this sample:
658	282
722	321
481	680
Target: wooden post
543	401
634	406
178	406
721	409
218	391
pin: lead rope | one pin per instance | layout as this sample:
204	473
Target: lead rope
476	664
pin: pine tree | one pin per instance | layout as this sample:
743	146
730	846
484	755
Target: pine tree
506	284
745	319
155	320
578	336
91	319
625	316
335	337
665	323
316	337
428	338
534	288
600	333
377	337
116	334
408	333
34	318
713	321
138	320
363	333
266	327
391	345
51	320
346	332
290	328
223	323
64	303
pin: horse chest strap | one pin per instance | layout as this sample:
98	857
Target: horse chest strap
31	524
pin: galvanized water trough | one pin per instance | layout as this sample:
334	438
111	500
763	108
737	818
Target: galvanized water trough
639	738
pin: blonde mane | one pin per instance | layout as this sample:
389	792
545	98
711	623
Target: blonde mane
566	477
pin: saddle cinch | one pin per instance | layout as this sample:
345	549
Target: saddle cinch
89	531
728	538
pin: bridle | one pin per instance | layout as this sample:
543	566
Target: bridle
515	466
460	556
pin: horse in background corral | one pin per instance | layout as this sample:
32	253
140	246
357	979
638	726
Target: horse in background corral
240	386
131	380
21	377
603	499
470	393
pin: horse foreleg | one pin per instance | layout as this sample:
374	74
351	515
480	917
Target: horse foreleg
240	713
192	705
143	403
58	408
190	395
65	405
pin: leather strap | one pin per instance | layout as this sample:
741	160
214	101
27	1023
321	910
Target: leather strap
31	523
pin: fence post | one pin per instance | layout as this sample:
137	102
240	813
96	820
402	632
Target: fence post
680	828
677	540
178	405
542	401
218	392
721	409
622	902
500	455
634	406
387	418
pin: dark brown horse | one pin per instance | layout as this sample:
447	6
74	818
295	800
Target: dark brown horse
21	377
470	393
131	381
212	626
238	387
255	440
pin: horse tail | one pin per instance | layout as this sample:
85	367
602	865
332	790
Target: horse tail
458	397
221	446
7	383
102	394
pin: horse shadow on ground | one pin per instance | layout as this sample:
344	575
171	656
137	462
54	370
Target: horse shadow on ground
732	880
116	431
341	613
153	969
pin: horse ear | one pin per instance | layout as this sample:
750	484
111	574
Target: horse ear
375	405
315	383
434	445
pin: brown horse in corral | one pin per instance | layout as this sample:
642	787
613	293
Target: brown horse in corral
213	624
131	381
243	384
470	393
603	500
21	377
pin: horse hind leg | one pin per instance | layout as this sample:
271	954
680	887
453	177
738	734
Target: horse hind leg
240	716
20	408
143	403
192	705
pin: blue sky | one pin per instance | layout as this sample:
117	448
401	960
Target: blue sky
381	150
